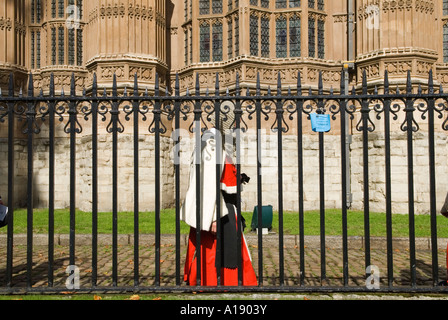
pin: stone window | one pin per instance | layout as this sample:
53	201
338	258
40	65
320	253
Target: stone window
253	35
265	37
294	36
186	47
210	44
61	9
237	36
280	4
217	41
445	44
38	49
216	6
281	37
320	5
71	46
205	5
36	11
61	45
230	38
53	46
285	36
445	33
311	37
191	46
321	39
79	47
33	62
80	8
204	36
294	3
53	8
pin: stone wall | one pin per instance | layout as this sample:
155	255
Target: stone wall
269	161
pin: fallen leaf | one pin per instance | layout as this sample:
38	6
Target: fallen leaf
95	297
158	298
134	297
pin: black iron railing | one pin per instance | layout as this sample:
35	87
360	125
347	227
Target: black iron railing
287	108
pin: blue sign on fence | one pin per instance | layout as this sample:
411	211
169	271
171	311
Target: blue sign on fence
320	122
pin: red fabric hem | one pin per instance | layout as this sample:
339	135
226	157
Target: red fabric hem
229	277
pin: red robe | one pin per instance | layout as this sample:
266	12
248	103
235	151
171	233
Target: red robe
229	276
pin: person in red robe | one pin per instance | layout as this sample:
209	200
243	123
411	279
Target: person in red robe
228	268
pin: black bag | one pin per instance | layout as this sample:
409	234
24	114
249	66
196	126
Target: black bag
3	216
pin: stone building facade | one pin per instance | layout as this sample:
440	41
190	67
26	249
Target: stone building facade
229	37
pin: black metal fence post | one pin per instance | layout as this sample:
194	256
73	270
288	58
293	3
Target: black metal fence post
366	126
136	114
387	112
279	118
343	118
432	180
51	173
31	121
410	128
11	171
94	112
73	130
259	183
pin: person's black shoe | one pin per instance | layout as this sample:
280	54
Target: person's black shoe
443	283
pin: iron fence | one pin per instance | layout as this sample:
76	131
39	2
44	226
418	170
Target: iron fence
287	107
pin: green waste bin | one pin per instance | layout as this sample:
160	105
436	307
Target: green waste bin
266	217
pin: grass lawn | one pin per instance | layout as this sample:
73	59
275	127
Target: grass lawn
333	223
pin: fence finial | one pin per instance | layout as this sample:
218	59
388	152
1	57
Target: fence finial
135	85
73	85
30	85
430	83
409	82
157	85
321	84
364	82
279	84
11	85
299	83
197	85
176	85
217	84
237	87
342	84
52	84
114	86
386	82
94	85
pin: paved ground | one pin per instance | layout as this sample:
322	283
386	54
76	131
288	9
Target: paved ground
313	266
